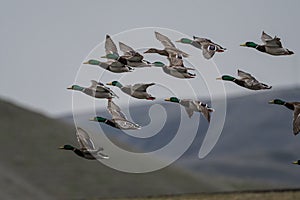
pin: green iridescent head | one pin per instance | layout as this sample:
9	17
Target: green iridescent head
92	62
185	41
173	99
158	64
98	119
277	101
115	83
67	147
226	78
249	44
75	87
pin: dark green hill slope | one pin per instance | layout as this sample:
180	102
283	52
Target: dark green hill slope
32	166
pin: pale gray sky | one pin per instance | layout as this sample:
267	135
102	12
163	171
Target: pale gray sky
43	43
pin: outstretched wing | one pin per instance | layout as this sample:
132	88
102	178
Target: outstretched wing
126	125
181	69
265	37
271	42
94	84
110	46
130	54
296	120
245	75
84	140
169	46
251	82
141	87
164	40
189	111
275	43
115	110
125	48
100	87
202	40
119	117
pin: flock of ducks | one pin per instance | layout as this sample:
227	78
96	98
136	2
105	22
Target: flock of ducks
131	59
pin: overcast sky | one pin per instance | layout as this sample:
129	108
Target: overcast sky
43	43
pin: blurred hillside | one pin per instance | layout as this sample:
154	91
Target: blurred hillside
32	166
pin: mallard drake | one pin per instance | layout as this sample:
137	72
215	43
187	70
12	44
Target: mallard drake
97	90
137	90
131	57
118	118
192	106
246	80
87	148
271	46
169	50
295	106
176	71
206	45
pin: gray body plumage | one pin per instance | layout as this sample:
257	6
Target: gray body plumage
134	59
98	90
115	66
170	48
119	118
273	46
138	90
178	71
192	106
87	146
250	82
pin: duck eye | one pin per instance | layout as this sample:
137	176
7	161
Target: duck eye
211	48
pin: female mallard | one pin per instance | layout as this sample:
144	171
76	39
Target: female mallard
176	71
137	90
169	50
206	45
246	81
271	46
295	106
87	148
118	118
193	105
130	58
97	90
